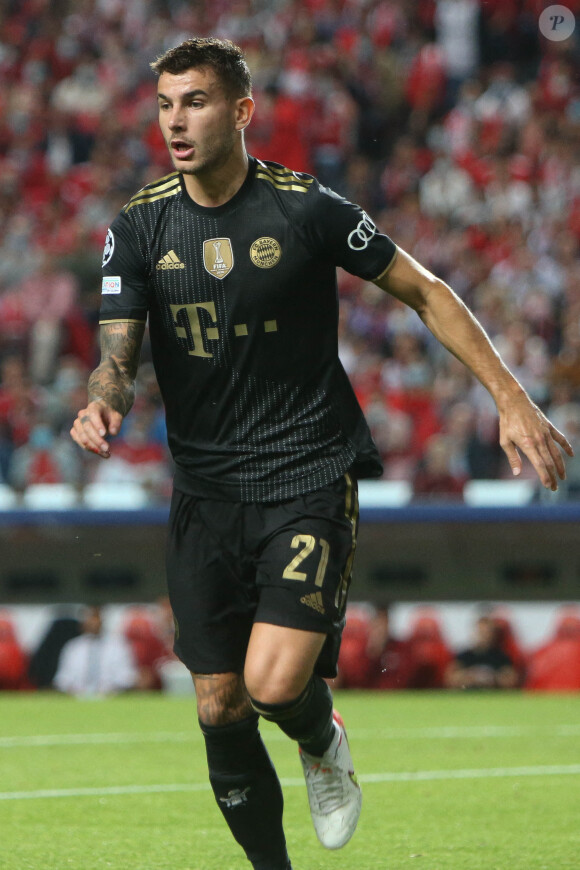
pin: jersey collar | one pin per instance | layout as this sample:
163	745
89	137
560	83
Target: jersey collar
228	206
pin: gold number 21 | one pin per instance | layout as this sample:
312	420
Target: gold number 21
307	542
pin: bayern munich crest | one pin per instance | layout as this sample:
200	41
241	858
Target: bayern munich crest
265	252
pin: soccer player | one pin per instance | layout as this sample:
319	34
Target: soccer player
233	262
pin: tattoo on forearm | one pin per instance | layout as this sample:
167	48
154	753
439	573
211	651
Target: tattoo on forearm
114	378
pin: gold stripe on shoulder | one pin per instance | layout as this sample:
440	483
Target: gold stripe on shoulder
121	320
169	176
284	173
160	184
147	198
289	184
170	181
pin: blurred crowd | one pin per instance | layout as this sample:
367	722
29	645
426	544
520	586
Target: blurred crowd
372	656
82	653
453	122
86	652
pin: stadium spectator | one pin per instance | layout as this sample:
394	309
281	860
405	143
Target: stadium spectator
97	662
20	400
390	658
434	477
353	661
370	656
484	665
13	658
165	623
139	456
509	643
429	652
149	650
555	666
47	301
45	458
456	30
44	659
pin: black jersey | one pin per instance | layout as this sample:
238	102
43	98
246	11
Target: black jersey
242	306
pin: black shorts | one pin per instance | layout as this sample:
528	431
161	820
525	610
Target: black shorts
231	564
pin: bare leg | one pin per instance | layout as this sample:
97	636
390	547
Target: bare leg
283	689
280	662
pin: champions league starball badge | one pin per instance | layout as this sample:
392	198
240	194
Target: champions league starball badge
109	247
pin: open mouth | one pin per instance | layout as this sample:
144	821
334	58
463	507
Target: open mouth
182	149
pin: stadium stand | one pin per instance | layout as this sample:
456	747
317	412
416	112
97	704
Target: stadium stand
555	666
458	133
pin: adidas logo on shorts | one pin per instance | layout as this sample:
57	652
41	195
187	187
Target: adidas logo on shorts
314	600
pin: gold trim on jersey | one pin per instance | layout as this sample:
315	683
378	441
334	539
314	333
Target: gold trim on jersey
283	179
389	267
351	512
166	186
121	320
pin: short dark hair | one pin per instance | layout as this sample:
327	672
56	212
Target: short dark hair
222	56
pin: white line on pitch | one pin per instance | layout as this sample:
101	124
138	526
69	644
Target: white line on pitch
86	739
402	776
452	732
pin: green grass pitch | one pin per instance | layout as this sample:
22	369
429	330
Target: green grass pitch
450	782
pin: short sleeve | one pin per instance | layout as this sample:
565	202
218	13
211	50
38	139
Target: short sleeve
124	294
344	232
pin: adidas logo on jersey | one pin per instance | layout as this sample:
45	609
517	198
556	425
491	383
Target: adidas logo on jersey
170	261
314	600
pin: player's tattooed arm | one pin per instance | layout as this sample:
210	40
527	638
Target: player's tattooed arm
113	381
111	387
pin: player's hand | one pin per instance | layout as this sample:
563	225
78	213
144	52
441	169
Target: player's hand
524	427
93	424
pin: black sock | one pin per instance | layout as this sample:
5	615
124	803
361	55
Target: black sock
247	791
307	719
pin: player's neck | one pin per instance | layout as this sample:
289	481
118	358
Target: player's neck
218	186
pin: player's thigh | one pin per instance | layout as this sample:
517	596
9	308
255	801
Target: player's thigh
280	661
305	563
210	584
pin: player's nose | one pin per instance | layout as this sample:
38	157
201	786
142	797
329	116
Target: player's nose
176	120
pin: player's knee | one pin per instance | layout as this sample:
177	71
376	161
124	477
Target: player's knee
274	688
276	678
221	699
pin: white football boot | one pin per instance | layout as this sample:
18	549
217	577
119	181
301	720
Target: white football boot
334	794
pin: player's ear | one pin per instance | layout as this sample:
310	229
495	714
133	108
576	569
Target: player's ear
244	111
